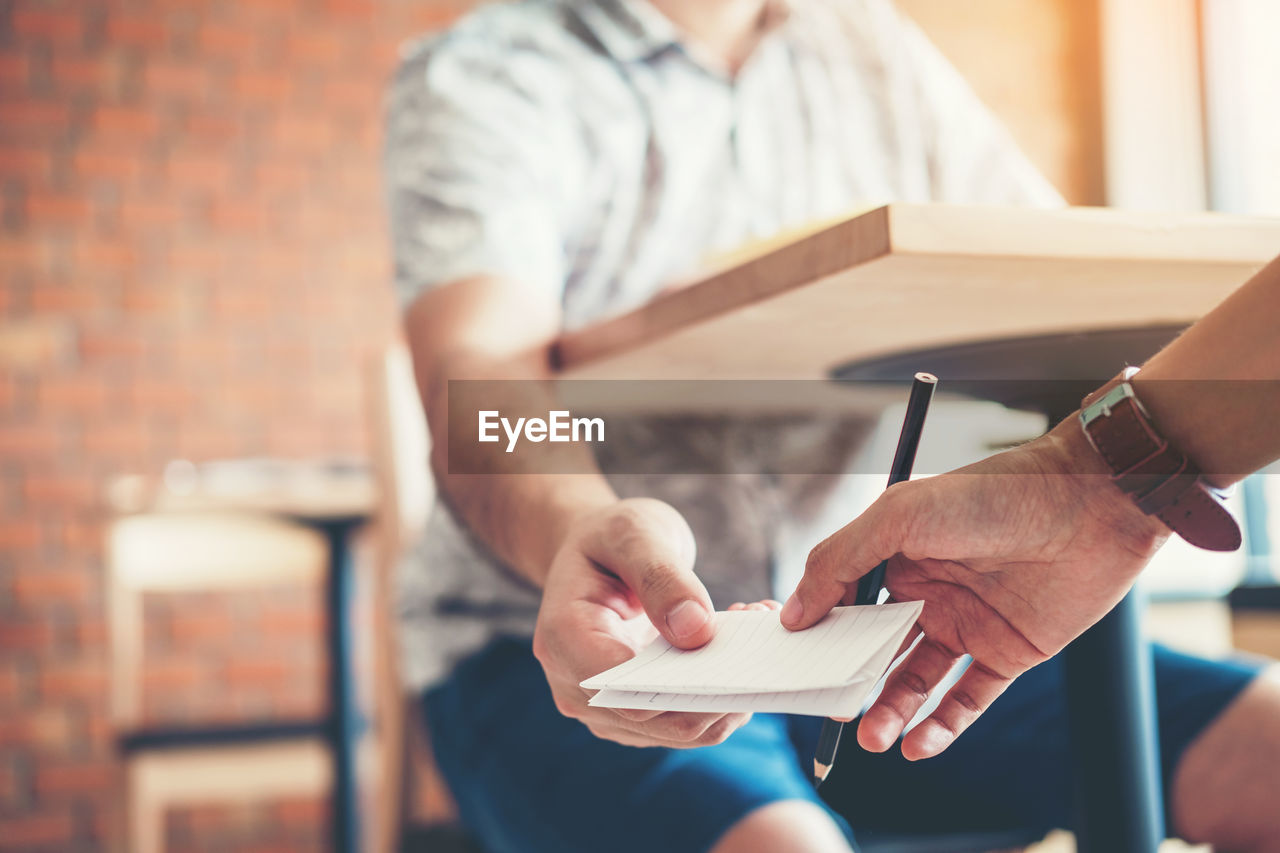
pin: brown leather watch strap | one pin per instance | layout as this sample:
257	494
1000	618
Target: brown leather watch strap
1160	478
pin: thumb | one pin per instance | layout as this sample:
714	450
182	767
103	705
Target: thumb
842	558
649	545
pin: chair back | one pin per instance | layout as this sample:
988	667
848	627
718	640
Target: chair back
171	552
401	447
400	451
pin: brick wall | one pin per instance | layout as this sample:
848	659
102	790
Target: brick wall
192	265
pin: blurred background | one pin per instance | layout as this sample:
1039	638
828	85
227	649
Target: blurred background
194	267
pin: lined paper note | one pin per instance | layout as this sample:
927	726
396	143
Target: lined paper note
754	664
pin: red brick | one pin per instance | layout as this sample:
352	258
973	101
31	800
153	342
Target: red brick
156	396
90	633
170	675
88	777
261	671
105	822
26	634
283	175
192	626
79	536
144	213
304	812
208	442
33	587
153	298
210	128
352	8
47	24
425	17
17	441
14	71
15	533
130	441
80	300
41	489
183	80
29	114
11	687
236	214
280	620
75	681
234	41
360	97
100	730
78	392
35	342
138	30
199	170
22	253
125	122
270	87
30	830
11	789
199	258
95	162
115	344
102	73
28	162
271	6
58	210
48	729
105	254
302	133
323	49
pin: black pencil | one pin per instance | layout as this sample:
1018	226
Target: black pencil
869	585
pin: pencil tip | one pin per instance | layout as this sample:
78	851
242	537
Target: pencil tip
820	772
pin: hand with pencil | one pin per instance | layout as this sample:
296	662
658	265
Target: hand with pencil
1013	557
624	574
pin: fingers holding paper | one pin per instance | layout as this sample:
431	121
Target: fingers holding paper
1013	558
622	577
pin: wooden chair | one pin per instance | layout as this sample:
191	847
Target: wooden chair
412	792
168	766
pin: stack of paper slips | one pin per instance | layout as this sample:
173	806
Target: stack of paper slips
755	664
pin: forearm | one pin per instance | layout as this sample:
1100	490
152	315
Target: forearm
522	515
488	328
1225	420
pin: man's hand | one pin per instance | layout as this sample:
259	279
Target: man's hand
1014	557
621	573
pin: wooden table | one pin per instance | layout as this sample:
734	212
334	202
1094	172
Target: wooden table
885	287
335	501
904	277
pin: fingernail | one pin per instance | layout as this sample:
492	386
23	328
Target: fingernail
792	611
686	618
877	733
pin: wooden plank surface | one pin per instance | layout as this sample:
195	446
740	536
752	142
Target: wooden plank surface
903	277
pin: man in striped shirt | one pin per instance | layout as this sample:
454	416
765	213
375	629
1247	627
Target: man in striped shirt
552	162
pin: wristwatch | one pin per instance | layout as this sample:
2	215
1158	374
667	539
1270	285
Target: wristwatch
1160	478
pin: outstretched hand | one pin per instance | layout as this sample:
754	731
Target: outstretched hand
1014	557
623	575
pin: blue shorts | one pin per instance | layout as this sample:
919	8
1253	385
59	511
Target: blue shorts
528	780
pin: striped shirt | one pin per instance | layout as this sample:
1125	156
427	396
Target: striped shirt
580	148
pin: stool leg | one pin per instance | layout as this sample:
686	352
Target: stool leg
345	721
144	809
1114	745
